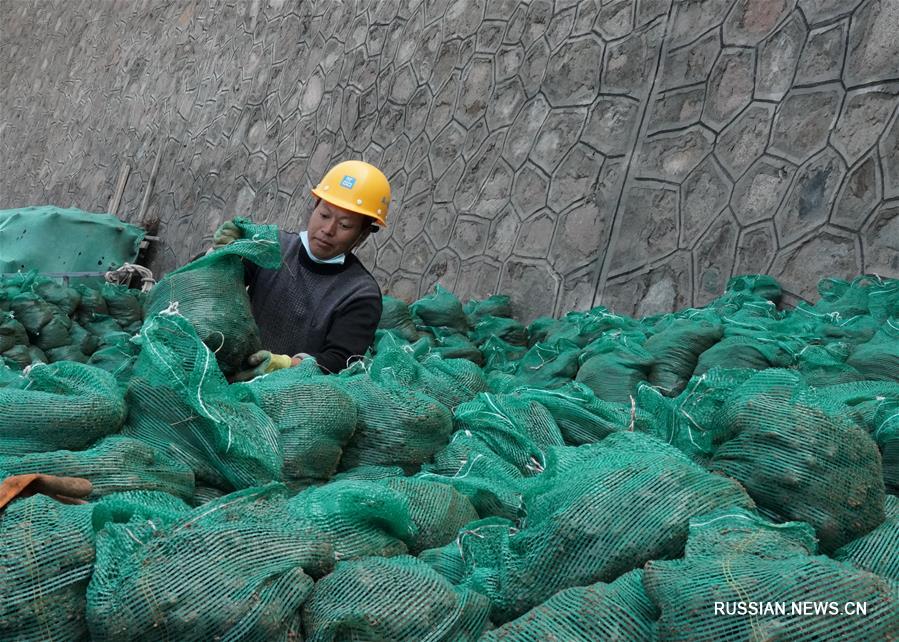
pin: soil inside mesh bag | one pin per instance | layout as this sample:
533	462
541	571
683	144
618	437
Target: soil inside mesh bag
210	292
12	333
676	351
802	457
440	309
509	330
395	315
613	366
124	304
32	311
497	305
179	402
549	365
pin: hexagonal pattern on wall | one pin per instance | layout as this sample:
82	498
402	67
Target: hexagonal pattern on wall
630	153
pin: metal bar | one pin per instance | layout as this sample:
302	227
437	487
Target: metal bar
145	201
116	199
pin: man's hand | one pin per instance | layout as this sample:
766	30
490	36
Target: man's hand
227	233
264	362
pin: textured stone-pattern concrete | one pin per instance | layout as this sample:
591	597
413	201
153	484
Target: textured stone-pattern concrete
633	153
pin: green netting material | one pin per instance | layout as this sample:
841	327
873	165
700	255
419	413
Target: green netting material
246	579
46	559
613	507
179	402
210	292
802	457
59	406
877	551
315	419
112	465
440	309
617	611
392	599
765	577
395	425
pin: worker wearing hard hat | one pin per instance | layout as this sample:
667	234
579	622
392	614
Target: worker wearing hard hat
321	301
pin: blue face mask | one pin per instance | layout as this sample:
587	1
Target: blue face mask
337	260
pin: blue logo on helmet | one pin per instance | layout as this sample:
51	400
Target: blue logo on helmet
348	182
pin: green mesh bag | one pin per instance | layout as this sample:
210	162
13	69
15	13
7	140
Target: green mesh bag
231	569
876	551
501	356
548	365
437	510
22	356
62	406
517	429
356	518
392	599
62	296
826	365
617	611
887	437
369	473
879	357
497	305
179	402
699	596
91	302
491	483
314	417
112	465
440	309
450	344
446	560
676	350
32	312
134	506
613	366
12	333
395	316
395	426
744	532
449	381
580	416
754	352
509	330
125	305
615	506
802	457
211	293
758	285
46	559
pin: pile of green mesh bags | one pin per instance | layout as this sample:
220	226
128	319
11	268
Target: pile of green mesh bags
44	321
581	478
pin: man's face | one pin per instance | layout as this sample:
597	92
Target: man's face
333	230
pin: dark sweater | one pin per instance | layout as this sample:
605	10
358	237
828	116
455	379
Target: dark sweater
328	311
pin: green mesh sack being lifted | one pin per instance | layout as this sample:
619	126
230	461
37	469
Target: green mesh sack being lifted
395	426
314	417
595	513
211	293
233	569
179	402
802	457
46	559
62	406
762	567
112	465
399	598
617	611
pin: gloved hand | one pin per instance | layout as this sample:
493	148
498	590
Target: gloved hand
226	233
264	362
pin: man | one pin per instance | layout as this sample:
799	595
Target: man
321	302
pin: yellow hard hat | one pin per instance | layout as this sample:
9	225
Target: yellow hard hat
356	186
